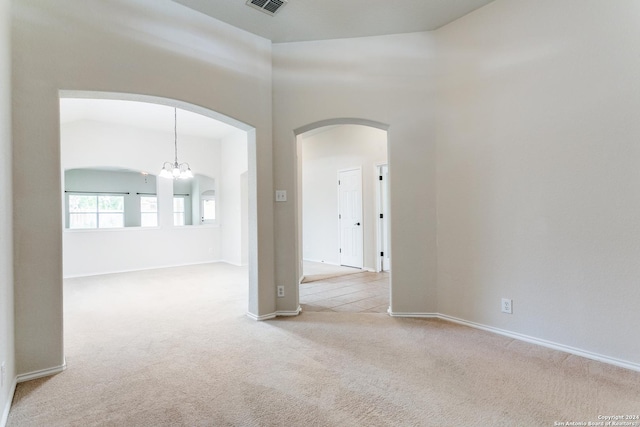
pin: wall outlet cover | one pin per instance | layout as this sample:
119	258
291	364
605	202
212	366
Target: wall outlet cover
507	305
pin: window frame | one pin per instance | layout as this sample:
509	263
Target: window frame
143	212
209	195
183	212
97	212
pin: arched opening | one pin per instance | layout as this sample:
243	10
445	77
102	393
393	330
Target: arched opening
164	222
343	216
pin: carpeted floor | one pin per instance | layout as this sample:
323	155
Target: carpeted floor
152	349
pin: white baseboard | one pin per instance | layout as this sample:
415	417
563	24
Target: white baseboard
289	313
276	314
235	264
545	343
526	338
420	315
7	407
319	261
41	373
261	318
132	270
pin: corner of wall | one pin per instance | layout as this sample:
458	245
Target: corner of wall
7	344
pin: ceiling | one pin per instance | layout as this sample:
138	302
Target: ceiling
305	20
298	20
142	115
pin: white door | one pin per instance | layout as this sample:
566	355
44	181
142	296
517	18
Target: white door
385	252
351	235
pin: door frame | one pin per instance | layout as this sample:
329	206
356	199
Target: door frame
296	273
382	209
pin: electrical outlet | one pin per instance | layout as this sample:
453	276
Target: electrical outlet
280	291
507	306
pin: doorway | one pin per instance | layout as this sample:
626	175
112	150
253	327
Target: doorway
123	135
338	211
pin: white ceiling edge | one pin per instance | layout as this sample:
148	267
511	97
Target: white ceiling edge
309	20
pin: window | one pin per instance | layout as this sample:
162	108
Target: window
148	211
96	211
178	211
208	203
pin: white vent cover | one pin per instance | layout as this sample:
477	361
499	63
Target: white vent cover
267	6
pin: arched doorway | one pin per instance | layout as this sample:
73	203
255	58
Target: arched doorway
246	184
342	213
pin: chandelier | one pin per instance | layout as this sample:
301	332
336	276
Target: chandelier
174	169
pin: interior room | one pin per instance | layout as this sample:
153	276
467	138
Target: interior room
116	148
512	153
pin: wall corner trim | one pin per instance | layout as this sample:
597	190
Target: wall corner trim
5	411
41	373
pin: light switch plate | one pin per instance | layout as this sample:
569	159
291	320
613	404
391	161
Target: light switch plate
281	195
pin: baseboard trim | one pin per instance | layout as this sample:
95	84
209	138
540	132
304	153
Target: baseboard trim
419	315
319	261
7	407
235	264
286	313
261	318
41	373
545	343
526	338
281	313
133	270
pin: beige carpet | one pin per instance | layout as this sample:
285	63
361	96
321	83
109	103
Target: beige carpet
316	271
150	349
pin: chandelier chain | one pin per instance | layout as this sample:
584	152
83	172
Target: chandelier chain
175	132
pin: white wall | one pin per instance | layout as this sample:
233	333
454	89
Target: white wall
7	347
153	48
324	153
232	209
86	143
97	144
389	80
538	177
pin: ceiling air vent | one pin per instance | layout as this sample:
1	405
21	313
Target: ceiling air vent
267	6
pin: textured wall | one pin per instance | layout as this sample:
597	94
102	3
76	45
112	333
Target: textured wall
7	348
387	80
161	49
538	176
